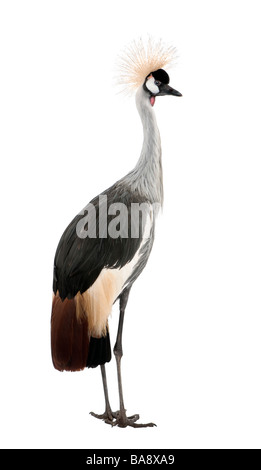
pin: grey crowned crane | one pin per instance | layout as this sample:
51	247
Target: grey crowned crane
105	247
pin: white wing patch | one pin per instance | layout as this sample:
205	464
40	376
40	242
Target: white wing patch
98	300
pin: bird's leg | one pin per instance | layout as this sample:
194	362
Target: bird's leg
108	415
118	353
121	419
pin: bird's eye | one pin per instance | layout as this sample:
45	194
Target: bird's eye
157	83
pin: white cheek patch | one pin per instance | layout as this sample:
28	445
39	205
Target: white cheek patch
150	84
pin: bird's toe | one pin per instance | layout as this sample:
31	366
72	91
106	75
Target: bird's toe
107	416
123	421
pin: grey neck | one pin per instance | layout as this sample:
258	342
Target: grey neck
146	177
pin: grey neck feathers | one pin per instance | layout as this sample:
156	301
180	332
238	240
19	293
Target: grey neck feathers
146	177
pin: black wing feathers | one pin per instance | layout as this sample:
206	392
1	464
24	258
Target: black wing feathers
79	261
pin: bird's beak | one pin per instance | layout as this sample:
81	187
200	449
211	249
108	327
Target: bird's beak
168	90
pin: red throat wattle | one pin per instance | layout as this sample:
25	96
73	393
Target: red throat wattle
152	100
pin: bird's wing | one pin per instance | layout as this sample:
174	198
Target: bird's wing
79	261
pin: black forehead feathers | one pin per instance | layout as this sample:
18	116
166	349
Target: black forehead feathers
161	76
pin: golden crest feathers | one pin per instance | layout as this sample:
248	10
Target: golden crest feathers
139	59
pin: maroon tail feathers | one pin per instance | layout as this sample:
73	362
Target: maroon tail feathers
69	336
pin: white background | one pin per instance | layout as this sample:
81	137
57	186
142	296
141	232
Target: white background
192	348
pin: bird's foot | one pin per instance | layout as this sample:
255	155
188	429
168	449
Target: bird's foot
123	421
108	416
119	418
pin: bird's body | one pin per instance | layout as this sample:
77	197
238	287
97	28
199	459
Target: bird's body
101	254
